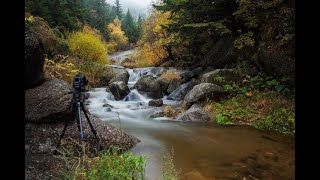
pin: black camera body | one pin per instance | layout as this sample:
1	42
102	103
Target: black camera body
79	83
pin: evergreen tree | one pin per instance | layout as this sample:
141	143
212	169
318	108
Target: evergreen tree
139	26
130	28
118	9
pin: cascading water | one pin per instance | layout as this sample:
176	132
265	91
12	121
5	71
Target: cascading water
200	151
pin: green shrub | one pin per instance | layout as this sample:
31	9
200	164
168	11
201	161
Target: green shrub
109	166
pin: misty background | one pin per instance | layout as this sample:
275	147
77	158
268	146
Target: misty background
137	7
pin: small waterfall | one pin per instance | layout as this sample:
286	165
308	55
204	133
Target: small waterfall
134	95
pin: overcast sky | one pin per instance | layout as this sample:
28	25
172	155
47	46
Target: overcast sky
140	5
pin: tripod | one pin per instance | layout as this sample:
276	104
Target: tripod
77	105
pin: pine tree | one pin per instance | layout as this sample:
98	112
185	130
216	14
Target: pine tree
130	28
118	9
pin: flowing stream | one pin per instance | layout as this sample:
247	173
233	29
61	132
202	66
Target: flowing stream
205	151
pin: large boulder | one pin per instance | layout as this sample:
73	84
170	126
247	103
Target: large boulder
48	102
119	90
123	76
220	77
43	138
109	72
194	114
149	86
33	60
164	83
202	91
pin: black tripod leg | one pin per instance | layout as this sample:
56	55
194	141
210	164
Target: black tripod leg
62	134
92	129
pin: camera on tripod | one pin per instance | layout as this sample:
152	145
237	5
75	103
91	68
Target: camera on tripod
79	83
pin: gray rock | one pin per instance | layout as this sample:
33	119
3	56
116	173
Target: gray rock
155	102
109	72
48	102
119	90
164	83
149	86
108	109
197	71
220	77
186	76
124	77
107	105
43	138
33	60
203	91
194	114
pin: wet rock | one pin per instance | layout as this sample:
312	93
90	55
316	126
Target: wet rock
157	114
124	77
108	109
157	102
49	102
149	86
119	90
202	91
107	105
109	72
194	114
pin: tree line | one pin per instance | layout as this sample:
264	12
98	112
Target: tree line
72	15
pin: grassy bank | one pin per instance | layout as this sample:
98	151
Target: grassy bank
264	110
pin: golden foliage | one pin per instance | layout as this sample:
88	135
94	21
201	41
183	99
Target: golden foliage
63	70
151	47
88	46
118	40
148	55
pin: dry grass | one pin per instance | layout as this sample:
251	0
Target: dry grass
129	65
170	112
171	75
